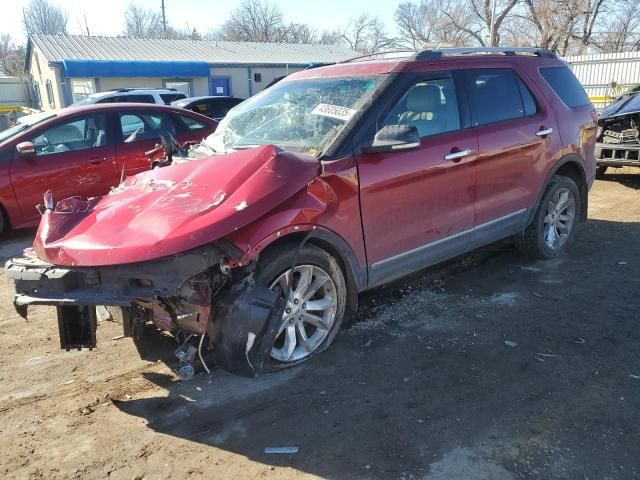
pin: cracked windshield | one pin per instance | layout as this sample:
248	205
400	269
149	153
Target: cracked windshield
302	115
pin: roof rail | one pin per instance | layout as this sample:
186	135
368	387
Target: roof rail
382	55
434	53
130	89
441	52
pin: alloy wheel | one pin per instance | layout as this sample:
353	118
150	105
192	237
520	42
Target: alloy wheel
309	315
560	218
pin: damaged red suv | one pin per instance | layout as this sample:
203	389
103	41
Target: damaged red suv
333	181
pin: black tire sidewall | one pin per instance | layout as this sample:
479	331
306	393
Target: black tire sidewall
273	264
556	184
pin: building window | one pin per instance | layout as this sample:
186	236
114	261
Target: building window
183	86
37	101
257	77
52	102
82	87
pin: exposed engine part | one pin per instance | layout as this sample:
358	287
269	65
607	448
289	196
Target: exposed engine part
620	130
629	135
186	353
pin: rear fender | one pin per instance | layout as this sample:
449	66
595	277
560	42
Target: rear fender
572	166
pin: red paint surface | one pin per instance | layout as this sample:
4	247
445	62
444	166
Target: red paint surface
85	173
173	209
381	205
413	198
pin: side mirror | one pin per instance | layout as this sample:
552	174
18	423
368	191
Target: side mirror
26	149
394	138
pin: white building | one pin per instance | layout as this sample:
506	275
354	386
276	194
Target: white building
66	68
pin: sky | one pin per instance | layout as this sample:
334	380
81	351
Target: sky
106	17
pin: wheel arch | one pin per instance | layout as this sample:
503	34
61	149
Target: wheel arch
5	221
570	166
354	275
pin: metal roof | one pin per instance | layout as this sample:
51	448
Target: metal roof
57	48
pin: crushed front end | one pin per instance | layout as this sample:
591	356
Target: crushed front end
189	294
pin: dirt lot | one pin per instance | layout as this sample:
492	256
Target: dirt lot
422	385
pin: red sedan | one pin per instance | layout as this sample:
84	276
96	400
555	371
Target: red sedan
83	152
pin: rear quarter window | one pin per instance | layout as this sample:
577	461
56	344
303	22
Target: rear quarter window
167	98
566	85
191	124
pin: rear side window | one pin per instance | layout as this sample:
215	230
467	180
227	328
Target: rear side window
137	99
191	124
167	98
137	126
498	94
566	86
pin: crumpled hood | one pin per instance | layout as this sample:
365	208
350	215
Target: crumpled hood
173	209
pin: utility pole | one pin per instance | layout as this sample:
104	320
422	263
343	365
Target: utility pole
164	21
493	24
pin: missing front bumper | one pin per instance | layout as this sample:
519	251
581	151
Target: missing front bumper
241	319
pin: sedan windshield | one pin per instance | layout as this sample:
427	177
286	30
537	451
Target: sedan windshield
299	115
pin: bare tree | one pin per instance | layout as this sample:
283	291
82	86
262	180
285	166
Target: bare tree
425	23
142	23
11	56
621	29
475	18
254	21
298	33
44	17
367	34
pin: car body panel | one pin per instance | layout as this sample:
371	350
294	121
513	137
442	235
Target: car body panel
88	172
407	197
381	210
169	210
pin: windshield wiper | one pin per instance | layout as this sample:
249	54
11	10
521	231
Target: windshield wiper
244	147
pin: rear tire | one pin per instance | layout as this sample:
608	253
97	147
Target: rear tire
553	227
306	329
600	171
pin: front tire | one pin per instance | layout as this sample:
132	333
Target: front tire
553	227
316	305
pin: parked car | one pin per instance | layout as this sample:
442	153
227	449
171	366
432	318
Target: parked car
212	107
331	182
159	96
619	134
82	151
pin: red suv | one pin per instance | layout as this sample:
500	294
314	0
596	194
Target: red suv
82	151
333	181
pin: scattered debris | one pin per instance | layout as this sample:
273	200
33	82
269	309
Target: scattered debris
622	263
579	340
635	377
536	294
420	420
366	344
281	450
549	355
511	344
118	337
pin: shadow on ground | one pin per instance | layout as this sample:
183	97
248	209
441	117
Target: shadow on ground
424	386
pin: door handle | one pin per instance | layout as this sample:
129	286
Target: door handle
97	160
544	132
458	155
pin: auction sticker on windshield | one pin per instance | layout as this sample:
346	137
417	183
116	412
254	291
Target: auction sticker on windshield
334	111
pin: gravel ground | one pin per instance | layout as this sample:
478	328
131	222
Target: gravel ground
492	366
